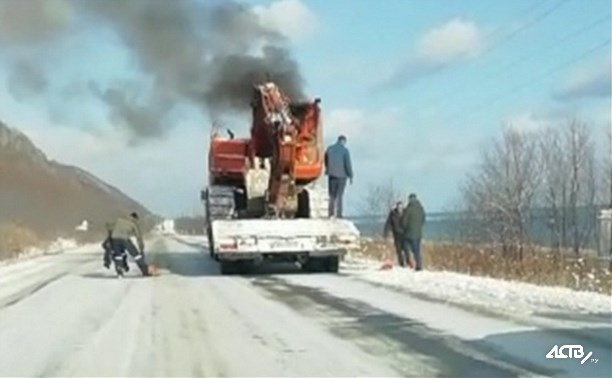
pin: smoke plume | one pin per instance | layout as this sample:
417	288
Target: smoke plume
26	79
205	54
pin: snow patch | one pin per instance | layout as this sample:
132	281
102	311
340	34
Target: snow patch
60	245
192	239
517	298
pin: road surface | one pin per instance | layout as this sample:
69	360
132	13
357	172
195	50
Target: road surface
66	315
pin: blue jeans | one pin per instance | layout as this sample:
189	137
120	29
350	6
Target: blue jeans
336	188
414	246
120	246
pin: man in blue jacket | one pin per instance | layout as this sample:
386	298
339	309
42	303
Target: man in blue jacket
339	169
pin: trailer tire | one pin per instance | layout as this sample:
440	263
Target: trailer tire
210	241
316	265
333	264
236	267
244	266
228	267
310	265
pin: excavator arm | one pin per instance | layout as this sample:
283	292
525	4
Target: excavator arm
285	138
282	130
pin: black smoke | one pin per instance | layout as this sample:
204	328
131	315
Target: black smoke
206	54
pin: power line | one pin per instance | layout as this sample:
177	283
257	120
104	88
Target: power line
528	24
539	78
501	28
528	56
524	12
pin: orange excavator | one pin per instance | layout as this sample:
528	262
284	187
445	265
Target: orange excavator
264	201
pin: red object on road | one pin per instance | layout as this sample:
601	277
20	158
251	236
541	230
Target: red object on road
153	270
387	264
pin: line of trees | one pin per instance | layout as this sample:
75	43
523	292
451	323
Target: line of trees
553	173
529	187
379	198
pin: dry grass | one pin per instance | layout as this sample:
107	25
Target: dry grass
537	266
15	240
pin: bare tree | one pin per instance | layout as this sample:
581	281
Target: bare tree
604	197
570	183
605	182
465	225
555	186
500	193
379	198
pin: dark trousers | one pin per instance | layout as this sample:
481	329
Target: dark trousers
120	246
336	187
398	241
107	245
414	246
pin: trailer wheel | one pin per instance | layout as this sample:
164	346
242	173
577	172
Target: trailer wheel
333	264
244	266
310	265
316	265
228	267
210	240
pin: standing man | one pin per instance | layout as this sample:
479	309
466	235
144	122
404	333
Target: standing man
394	225
413	220
123	229
339	169
107	245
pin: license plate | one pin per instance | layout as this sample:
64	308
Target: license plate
285	244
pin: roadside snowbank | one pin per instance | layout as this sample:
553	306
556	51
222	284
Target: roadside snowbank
191	239
60	245
510	297
26	273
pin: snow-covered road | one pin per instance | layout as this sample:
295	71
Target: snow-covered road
65	315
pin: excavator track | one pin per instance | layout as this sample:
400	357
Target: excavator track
219	205
219	202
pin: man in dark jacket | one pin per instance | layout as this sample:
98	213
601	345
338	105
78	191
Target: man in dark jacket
413	220
394	225
123	229
339	169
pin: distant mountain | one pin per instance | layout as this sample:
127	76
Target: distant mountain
51	198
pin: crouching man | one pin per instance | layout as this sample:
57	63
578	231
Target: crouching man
107	246
123	229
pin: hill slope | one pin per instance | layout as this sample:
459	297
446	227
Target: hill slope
50	198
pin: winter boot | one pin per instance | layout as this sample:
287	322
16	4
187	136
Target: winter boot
119	270
144	268
126	266
120	263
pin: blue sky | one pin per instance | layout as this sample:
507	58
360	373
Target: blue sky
417	86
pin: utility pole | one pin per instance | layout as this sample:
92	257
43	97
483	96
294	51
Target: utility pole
610	204
610	163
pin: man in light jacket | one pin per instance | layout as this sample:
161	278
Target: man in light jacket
123	229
